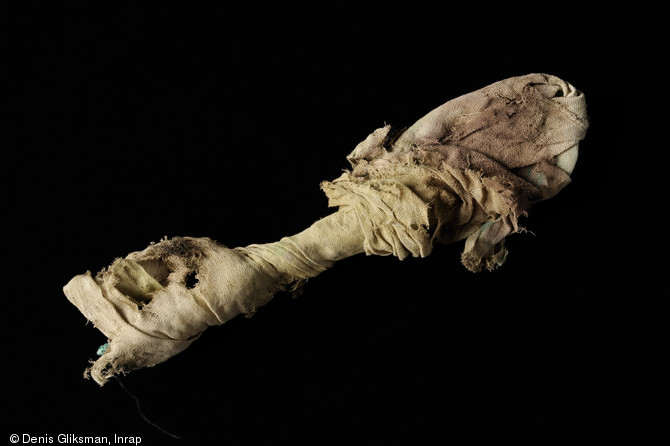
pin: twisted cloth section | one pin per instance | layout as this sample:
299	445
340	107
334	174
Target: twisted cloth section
292	263
467	170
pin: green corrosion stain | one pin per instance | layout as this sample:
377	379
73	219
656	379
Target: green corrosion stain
103	348
540	179
537	178
485	226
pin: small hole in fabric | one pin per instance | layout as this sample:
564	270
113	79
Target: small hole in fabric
191	280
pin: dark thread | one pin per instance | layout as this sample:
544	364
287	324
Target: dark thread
141	412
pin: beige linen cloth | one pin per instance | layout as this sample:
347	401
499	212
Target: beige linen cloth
468	170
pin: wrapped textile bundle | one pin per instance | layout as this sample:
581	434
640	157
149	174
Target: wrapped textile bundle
468	170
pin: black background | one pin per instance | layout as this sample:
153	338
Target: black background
129	123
